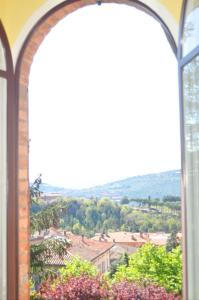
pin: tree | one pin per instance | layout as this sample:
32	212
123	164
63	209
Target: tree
40	253
123	261
78	267
35	189
125	200
172	241
153	263
77	229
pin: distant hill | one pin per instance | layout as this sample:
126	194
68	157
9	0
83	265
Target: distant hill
155	185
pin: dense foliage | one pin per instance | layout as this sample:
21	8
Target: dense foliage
82	288
41	252
88	288
155	264
76	268
129	291
173	241
149	274
88	216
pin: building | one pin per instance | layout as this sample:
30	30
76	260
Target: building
94	251
122	238
87	249
133	240
54	261
23	25
128	242
50	197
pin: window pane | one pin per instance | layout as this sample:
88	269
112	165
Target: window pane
2	57
191	27
191	113
3	188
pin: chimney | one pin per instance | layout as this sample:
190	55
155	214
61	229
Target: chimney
141	235
133	238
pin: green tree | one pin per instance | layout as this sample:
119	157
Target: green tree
40	253
155	264
125	200
78	267
77	229
172	241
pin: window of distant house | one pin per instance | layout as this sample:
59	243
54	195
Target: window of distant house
103	267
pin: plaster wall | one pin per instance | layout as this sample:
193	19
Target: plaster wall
19	17
103	259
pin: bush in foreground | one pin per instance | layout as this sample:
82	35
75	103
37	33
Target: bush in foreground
87	288
129	291
76	288
154	264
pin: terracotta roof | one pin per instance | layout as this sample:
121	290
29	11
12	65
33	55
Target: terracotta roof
135	239
56	260
85	248
120	237
158	238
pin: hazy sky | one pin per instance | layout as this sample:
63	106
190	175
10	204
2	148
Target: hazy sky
103	99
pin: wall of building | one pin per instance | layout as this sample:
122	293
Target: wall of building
19	16
103	259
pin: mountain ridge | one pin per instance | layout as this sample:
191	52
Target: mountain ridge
155	185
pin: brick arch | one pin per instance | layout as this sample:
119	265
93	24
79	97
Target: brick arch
27	53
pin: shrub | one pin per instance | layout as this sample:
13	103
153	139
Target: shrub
77	268
87	288
129	291
155	264
76	288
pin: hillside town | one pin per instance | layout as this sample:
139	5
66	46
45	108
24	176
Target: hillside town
102	250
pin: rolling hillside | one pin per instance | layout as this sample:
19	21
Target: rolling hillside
155	185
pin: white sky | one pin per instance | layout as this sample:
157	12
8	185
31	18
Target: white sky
103	99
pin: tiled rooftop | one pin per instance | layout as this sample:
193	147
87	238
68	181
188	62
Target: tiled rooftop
56	260
81	246
86	248
136	238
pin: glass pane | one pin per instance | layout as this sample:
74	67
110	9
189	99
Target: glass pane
191	27
2	57
3	188
191	113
